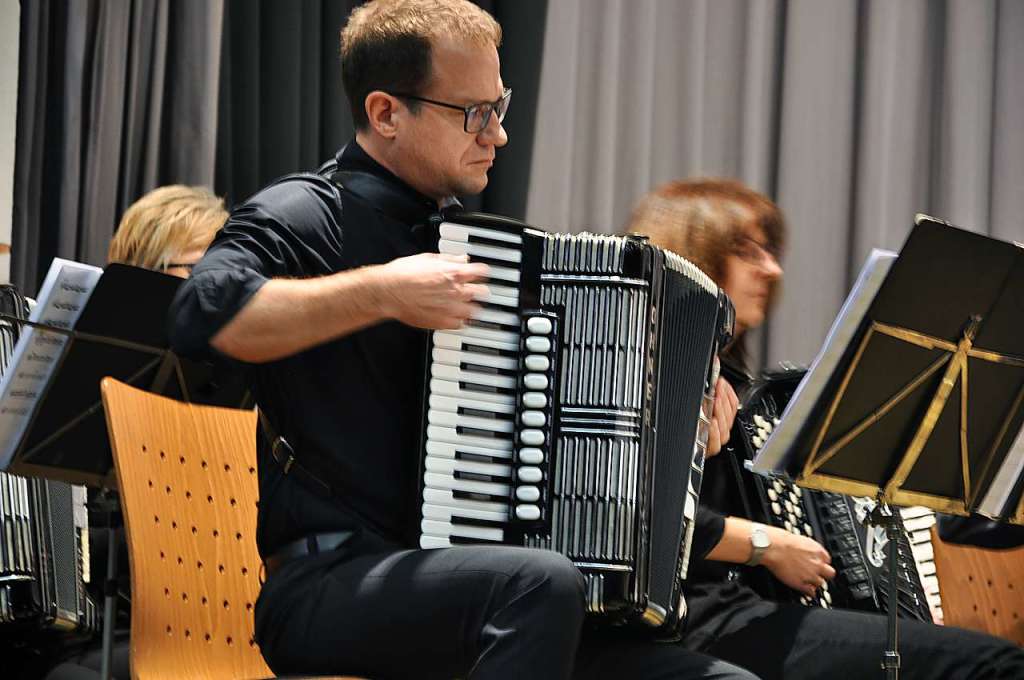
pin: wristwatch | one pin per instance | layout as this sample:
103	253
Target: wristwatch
759	544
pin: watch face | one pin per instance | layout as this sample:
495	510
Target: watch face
759	538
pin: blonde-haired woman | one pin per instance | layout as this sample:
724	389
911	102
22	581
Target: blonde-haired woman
168	229
737	236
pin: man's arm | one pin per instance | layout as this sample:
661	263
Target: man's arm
798	561
286	316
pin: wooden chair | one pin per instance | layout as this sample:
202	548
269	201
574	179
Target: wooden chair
187	480
981	589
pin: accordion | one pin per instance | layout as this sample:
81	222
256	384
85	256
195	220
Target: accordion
836	521
43	536
571	414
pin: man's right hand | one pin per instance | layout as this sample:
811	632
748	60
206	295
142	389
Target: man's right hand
432	290
798	561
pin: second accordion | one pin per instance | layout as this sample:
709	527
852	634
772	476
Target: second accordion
571	413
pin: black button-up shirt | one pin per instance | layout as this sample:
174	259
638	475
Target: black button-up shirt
357	400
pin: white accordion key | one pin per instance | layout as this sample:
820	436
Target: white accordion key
453	389
452	231
453	404
513	255
447	498
451	357
449	435
485	337
459	375
446	513
496	316
450	466
439	480
495	298
432	542
534	400
449	419
433	527
447	450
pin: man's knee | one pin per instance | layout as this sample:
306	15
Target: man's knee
554	580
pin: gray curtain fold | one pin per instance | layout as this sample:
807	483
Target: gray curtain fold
853	114
119	97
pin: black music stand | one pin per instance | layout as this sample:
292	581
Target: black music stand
918	400
121	333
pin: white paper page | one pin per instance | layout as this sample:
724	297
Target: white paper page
771	459
65	291
998	495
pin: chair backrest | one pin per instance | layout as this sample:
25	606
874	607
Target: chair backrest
187	477
981	589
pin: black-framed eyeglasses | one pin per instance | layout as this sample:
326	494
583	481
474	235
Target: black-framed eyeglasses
182	265
477	116
752	251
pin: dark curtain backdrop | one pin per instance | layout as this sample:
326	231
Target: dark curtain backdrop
116	97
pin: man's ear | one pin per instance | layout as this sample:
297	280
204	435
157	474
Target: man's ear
381	110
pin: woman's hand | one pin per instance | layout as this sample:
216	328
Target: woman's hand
798	561
723	413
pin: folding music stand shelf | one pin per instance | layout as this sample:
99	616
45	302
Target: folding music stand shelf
916	397
121	333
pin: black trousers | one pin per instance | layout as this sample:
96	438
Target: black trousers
793	642
469	612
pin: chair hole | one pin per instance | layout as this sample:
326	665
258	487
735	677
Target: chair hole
970	577
208	637
199	565
233	502
248	607
181	561
227	467
167	592
144	448
252	470
975	607
220	568
168	630
226	605
993	613
150	482
162	556
1015	616
181	459
156	519
245	571
203	464
989	582
252	642
209	499
168	490
194	530
188	634
216	534
174	524
188	495
230	641
238	535
163	455
204	601
184	597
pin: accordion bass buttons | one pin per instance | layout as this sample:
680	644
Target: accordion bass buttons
535	343
537	362
533	418
531	455
535	399
528	494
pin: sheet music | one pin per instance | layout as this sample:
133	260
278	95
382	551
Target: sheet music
773	457
997	498
60	302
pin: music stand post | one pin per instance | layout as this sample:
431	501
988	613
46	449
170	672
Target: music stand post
918	392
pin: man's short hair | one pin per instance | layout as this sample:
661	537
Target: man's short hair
166	223
386	45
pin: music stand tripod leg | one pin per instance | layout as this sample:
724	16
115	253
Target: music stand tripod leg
883	516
